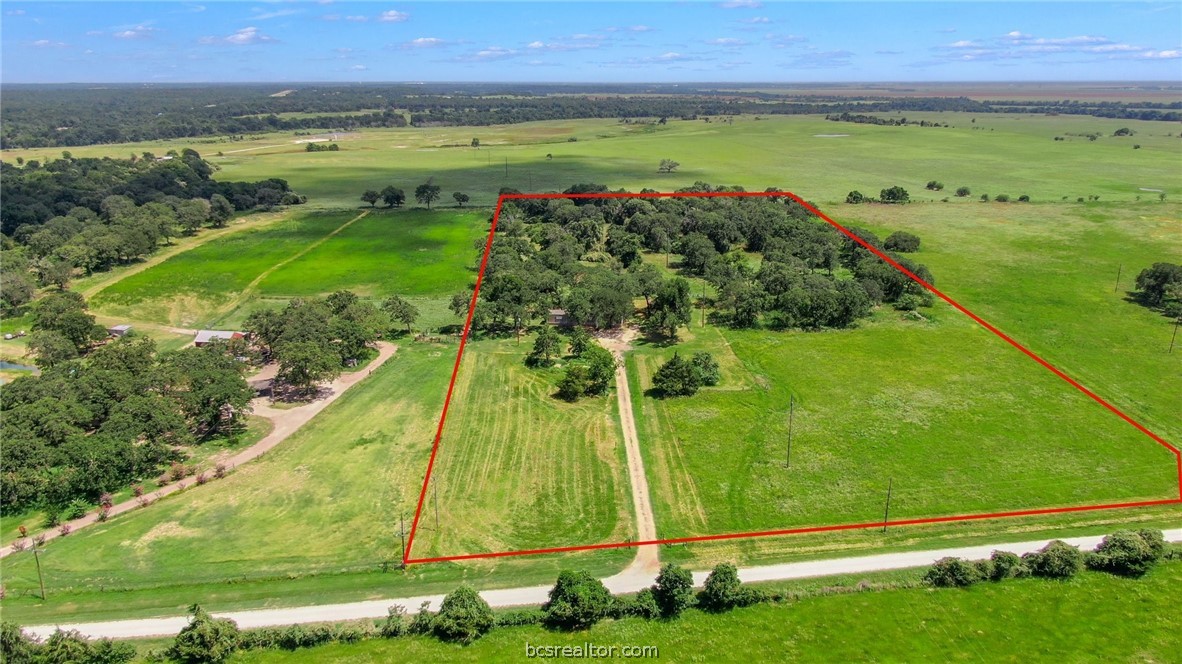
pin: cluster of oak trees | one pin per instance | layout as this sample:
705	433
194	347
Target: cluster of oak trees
1160	287
583	255
99	418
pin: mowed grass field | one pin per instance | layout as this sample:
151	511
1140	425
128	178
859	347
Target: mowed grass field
327	502
1092	618
957	420
1013	154
518	468
424	255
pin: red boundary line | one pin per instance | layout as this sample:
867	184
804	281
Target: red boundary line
406	559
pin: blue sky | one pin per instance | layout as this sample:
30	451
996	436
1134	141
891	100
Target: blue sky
728	40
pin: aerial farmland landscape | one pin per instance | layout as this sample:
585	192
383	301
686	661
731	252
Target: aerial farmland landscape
347	332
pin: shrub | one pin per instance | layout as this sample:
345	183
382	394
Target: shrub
103	513
934	185
22	530
202	478
137	490
722	590
395	623
577	601
644	605
1024	198
424	620
1128	552
677	378
20	544
177	471
52	518
855	197
1002	198
963	191
14	644
984	198
463	616
71	646
908	302
902	241
219	471
260	639
674	590
707	368
952	573
39	540
352	632
162	481
106	500
1006	565
520	618
205	639
1057	560
895	194
65	529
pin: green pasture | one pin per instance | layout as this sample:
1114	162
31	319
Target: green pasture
518	468
1013	154
955	419
420	253
1094	617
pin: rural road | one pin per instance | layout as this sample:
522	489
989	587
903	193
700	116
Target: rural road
647	562
285	422
536	595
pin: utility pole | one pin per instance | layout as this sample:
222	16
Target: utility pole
887	514
1118	269
791	410
37	559
402	533
1177	322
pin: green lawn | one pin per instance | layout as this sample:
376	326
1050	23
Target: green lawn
520	469
1092	618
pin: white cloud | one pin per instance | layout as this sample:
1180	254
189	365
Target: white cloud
1017	36
490	53
740	4
536	44
756	19
46	43
726	41
822	59
393	16
964	43
263	16
639	28
784	41
134	32
358	68
95	33
1113	48
887	52
330	17
244	37
357	19
425	42
15	12
1162	55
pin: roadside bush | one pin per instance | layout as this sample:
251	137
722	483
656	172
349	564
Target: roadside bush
963	191
724	591
674	590
395	623
577	601
952	573
902	241
1006	565
355	631
205	639
908	302
463	616
520	618
424	620
855	197
1057	560
68	647
15	646
1128	552
260	639
677	377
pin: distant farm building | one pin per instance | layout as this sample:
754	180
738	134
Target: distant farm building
119	330
559	317
206	336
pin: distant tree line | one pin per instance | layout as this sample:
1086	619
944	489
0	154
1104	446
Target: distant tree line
63	116
99	418
859	118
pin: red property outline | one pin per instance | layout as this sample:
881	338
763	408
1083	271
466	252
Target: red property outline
406	559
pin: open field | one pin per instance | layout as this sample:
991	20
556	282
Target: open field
410	252
959	397
1093	617
998	153
520	469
